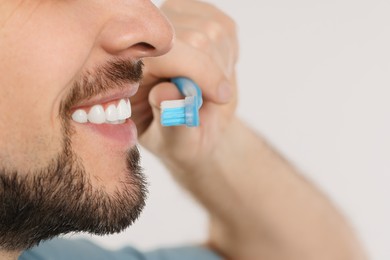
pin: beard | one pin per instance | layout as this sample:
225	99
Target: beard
59	198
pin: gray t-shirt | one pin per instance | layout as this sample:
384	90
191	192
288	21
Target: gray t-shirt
63	249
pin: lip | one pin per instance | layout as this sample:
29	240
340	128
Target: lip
128	91
120	135
124	135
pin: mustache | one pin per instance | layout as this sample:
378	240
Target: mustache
114	75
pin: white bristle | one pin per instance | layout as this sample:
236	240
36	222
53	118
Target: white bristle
172	104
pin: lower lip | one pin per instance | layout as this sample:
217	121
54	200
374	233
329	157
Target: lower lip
124	134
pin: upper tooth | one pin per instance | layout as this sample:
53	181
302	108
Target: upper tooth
96	115
122	110
80	116
128	106
111	113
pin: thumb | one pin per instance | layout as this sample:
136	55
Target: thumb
163	91
156	134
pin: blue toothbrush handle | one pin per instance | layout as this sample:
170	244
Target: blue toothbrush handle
188	88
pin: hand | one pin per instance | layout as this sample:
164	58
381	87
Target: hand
206	51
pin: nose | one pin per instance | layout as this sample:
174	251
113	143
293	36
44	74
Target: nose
136	29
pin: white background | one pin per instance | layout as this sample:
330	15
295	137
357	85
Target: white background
314	78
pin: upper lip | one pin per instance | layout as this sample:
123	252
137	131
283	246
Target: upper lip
111	95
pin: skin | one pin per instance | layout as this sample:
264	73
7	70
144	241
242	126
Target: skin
95	31
52	63
41	62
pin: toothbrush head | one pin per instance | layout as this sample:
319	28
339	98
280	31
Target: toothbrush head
180	112
184	111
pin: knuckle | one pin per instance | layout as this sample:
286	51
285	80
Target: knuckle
198	40
219	27
213	29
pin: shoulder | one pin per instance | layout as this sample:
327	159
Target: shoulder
64	249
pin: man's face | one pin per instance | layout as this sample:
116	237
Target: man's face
67	152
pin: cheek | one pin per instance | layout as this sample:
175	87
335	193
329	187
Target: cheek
27	143
38	61
41	52
30	127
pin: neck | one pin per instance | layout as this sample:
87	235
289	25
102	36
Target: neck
9	255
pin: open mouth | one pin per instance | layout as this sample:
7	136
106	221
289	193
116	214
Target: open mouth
108	114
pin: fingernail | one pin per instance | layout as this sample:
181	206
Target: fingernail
224	91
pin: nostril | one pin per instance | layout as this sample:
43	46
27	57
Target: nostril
144	47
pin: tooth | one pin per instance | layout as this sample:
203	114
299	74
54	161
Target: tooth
80	116
128	108
96	115
118	122
122	110
111	113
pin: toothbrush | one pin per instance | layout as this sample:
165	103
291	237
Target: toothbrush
183	111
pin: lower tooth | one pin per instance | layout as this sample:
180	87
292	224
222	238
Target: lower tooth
116	122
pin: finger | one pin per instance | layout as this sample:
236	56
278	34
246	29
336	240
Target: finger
162	92
184	60
215	24
190	7
156	137
207	28
221	49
